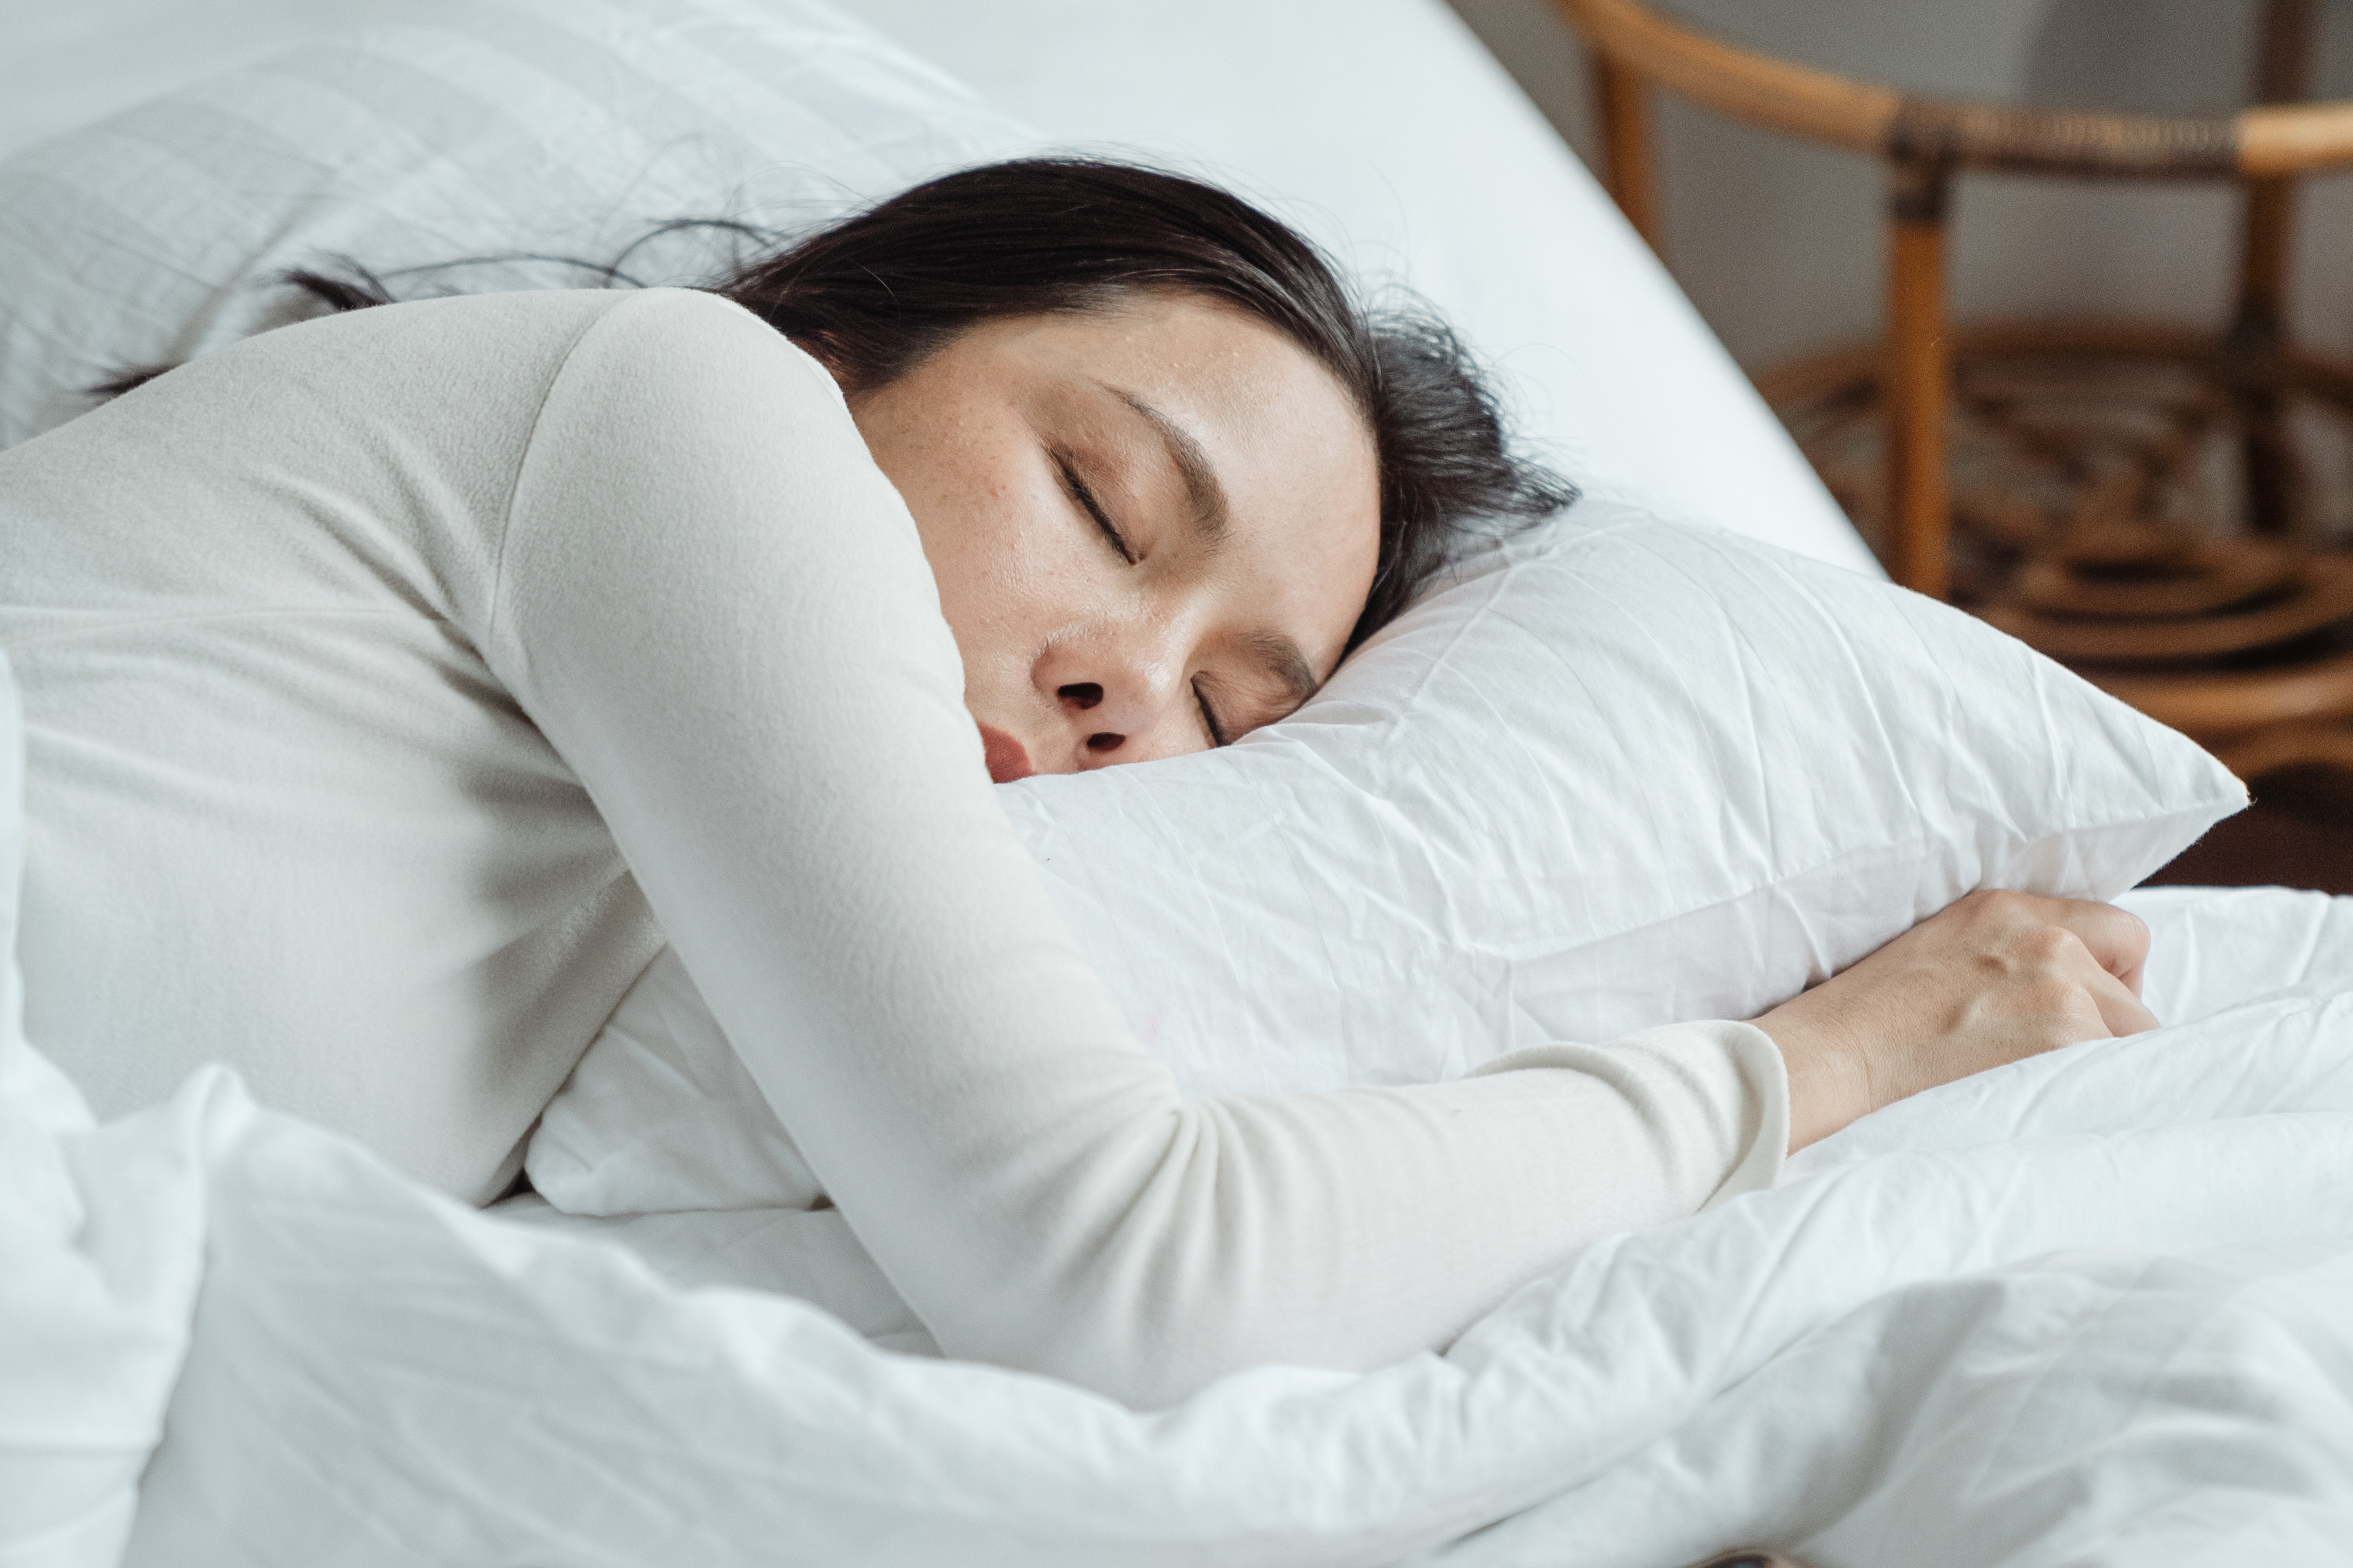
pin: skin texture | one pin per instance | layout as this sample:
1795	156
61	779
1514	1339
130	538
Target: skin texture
1213	617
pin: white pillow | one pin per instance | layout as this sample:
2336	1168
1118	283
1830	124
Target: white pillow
1622	772
561	126
12	862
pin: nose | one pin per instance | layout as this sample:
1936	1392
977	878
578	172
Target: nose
1120	704
1085	697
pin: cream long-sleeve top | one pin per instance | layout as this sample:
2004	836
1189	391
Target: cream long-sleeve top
396	682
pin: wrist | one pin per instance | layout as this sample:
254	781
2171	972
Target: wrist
1830	1083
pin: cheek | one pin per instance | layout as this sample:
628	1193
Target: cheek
1000	552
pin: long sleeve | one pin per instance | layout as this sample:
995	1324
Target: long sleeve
717	610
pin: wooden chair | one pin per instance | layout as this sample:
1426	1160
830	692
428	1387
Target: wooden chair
2234	623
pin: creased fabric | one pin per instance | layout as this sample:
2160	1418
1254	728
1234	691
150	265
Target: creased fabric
388	678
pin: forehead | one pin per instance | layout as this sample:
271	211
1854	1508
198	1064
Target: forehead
1288	444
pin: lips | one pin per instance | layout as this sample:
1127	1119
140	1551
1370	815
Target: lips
1008	759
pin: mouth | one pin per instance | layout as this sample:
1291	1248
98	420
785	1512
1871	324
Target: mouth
1008	759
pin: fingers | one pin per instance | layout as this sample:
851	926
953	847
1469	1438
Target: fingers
2108	948
2096	949
2120	1008
2118	942
2117	945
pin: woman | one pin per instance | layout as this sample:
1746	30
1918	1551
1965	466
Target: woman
396	682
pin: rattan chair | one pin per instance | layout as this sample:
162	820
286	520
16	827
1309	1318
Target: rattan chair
2231	622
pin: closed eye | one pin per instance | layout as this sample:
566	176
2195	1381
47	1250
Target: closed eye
1076	487
1209	717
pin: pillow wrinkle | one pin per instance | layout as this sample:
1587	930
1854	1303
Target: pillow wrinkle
1630	772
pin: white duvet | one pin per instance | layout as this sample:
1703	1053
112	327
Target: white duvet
2092	1309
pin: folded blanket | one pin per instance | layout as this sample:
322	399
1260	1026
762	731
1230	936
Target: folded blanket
2113	1334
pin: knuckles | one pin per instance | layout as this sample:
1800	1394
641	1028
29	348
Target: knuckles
2049	949
1987	909
2019	925
2054	997
2000	906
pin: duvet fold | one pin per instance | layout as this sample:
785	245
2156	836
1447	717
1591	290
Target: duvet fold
2089	1309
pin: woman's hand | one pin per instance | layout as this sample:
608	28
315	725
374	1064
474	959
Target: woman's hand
1996	977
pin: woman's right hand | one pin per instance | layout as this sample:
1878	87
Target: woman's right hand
1994	978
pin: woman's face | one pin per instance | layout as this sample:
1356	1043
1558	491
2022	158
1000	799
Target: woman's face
1153	528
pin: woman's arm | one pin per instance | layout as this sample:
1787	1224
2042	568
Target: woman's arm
717	609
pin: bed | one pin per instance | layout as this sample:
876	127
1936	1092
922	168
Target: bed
2086	1309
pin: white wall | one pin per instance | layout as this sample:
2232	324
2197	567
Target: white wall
1779	242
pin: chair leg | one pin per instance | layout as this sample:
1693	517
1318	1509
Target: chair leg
1621	101
1919	376
2283	74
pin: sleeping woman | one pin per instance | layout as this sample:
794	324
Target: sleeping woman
397	682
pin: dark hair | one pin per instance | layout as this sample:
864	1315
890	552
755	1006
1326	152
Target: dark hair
875	293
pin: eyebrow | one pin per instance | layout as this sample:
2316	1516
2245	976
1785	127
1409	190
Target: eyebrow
1283	660
1201	482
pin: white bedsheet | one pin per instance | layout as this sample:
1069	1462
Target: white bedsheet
2089	1309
